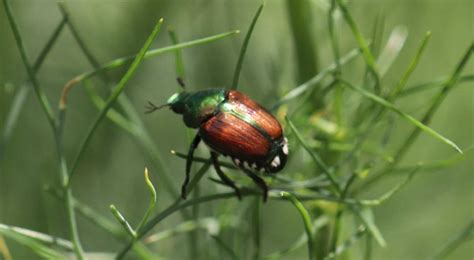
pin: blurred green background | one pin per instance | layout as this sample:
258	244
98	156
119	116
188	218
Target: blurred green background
415	223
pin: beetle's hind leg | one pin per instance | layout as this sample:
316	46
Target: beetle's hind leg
189	161
259	181
224	177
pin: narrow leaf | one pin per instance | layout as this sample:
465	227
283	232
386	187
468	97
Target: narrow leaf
403	115
243	50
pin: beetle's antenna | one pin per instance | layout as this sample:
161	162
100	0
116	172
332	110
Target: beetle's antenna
181	82
150	107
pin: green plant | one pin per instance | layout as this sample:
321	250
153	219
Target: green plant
339	129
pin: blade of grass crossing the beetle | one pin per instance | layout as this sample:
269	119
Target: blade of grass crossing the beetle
113	97
435	105
403	115
42	98
465	235
308	85
315	157
366	53
243	50
306	221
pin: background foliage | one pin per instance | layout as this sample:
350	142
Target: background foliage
416	223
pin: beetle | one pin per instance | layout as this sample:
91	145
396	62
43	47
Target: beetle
231	124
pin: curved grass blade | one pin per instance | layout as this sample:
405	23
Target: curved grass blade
403	115
243	50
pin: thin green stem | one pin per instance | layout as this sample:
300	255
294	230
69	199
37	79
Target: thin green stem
421	126
306	221
448	85
311	83
366	53
329	174
243	50
304	41
466	234
113	97
45	105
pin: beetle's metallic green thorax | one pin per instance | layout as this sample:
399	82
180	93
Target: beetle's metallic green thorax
197	107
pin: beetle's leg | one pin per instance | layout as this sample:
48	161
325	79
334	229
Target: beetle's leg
224	177
189	161
259	181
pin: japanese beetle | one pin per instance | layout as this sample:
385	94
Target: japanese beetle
231	124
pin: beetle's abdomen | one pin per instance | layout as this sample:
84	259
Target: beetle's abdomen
263	119
230	136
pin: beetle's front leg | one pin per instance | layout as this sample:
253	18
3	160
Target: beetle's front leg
222	175
189	161
259	181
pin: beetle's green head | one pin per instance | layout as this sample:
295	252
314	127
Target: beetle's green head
196	107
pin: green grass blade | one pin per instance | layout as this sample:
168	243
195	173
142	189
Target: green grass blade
367	217
403	115
308	85
211	225
119	62
115	94
123	221
225	247
26	239
347	244
403	81
178	55
435	105
315	157
366	53
42	98
40	237
436	84
243	50
306	221
466	234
